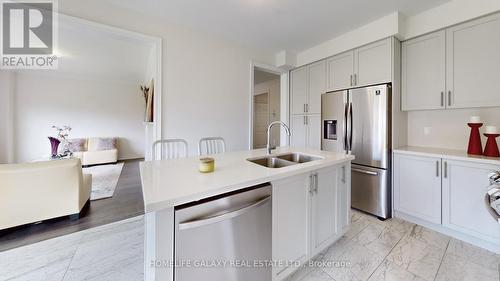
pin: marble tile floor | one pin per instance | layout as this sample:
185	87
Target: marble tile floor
396	250
109	253
372	250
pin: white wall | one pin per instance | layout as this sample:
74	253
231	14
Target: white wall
273	88
396	24
382	28
206	81
7	87
93	108
448	128
450	13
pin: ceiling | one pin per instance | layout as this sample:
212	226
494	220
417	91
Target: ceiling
91	52
260	76
274	25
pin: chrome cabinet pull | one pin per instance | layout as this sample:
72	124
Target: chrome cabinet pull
307	120
307	107
437	169
351	80
343	174
304	108
442	99
311	183
445	169
316	183
449	98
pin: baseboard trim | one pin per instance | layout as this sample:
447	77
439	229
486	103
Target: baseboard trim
453	233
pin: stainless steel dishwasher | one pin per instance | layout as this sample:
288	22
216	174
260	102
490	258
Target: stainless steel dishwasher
227	237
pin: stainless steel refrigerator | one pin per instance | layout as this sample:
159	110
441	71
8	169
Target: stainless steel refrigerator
358	122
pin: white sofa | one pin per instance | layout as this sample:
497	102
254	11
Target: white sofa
92	156
37	191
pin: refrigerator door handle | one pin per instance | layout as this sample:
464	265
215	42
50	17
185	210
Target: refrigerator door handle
346	115
351	126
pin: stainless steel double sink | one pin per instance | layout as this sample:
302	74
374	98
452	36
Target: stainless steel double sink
284	160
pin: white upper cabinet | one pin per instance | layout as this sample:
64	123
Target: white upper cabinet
473	69
417	187
373	64
368	65
340	70
423	72
454	68
317	86
464	187
298	90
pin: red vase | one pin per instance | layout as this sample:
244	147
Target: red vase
475	145
491	149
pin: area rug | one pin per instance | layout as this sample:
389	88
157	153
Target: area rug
104	180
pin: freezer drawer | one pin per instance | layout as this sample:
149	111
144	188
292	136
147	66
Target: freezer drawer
371	190
223	237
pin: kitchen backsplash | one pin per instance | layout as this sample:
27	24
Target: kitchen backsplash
447	128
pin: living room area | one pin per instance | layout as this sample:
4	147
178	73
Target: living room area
71	139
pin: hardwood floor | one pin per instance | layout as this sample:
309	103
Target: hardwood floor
126	202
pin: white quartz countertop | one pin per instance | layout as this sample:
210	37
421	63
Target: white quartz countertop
447	154
170	183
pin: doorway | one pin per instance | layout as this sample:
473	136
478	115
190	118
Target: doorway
266	107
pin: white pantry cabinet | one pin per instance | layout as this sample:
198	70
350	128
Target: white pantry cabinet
473	60
453	68
299	83
306	131
364	66
464	187
423	76
417	186
314	131
310	212
299	131
308	83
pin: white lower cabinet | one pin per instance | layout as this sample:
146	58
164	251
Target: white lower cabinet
306	131
417	186
310	212
446	194
464	187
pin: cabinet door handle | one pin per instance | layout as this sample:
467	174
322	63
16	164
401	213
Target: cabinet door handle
437	169
316	183
311	183
449	98
304	108
307	107
445	169
442	99
343	174
351	79
307	120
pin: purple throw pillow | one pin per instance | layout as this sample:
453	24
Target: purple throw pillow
76	145
106	144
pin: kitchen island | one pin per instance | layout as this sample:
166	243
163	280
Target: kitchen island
310	201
